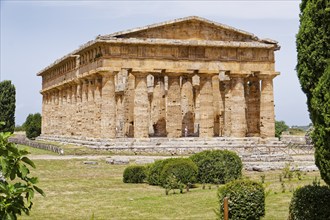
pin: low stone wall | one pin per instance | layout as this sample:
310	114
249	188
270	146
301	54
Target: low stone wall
36	144
249	149
293	139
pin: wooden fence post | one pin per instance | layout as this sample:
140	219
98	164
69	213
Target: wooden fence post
225	208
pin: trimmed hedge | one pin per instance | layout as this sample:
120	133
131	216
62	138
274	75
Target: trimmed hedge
310	202
180	170
217	166
246	199
135	174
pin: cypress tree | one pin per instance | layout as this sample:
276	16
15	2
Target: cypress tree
313	47
7	106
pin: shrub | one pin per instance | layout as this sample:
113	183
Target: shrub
183	170
135	174
218	166
32	125
246	199
310	202
155	169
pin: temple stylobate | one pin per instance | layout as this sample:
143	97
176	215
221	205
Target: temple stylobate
185	77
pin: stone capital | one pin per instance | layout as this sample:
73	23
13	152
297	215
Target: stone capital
239	74
108	73
267	75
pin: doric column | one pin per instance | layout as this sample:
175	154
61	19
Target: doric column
44	113
267	115
68	111
79	115
91	123
187	105
84	109
216	104
224	92
206	106
120	115
129	105
227	108
173	114
74	109
196	91
253	106
97	106
158	112
141	106
238	115
108	107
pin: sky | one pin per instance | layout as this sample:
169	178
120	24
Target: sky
36	33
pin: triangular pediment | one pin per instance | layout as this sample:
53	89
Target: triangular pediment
189	28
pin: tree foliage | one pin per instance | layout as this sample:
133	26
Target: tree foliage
313	47
7	106
310	202
280	126
246	200
217	166
32	125
17	188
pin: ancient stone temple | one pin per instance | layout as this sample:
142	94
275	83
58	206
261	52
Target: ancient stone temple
185	77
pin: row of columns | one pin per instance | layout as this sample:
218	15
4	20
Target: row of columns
234	107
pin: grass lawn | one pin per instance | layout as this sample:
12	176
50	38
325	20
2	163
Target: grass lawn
75	190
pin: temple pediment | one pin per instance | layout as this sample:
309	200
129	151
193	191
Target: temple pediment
188	28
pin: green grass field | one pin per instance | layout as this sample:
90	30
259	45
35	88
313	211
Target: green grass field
75	190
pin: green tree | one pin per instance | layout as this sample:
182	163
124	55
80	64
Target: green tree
280	126
313	47
17	188
7	106
32	125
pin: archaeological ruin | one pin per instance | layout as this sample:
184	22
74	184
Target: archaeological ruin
188	77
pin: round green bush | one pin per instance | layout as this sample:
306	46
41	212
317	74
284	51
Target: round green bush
310	202
134	174
217	166
155	169
181	170
246	200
